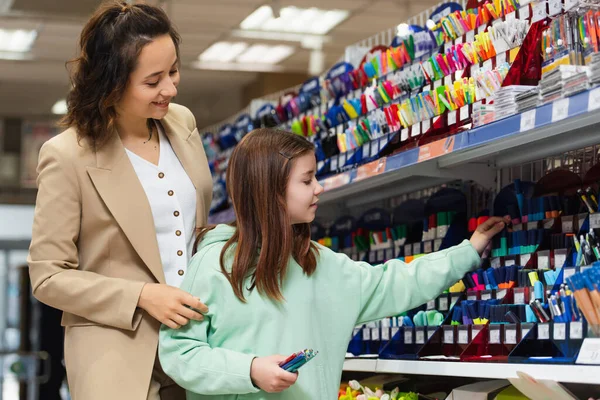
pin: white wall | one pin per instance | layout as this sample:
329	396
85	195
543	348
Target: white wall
16	222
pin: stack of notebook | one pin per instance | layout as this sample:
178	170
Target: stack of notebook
506	102
565	80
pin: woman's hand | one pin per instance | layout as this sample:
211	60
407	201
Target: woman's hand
170	305
486	231
269	376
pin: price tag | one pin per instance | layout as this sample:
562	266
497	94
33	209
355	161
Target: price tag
342	159
560	110
334	163
458	40
519	297
525	330
524	12
589	352
554	7
448	336
437	84
416	248
437	243
510	336
475	69
560	331
463	336
494	336
389	254
356	331
372	257
486	295
576	330
431	305
543	331
496	262
595	220
472	297
451	117
568	272
488	65
404	135
567	225
539	11
385	334
420	336
374	148
416	129
408	336
509	262
375	334
543	260
408	250
501	58
366	334
481	29
427	247
464	113
501	294
380	255
525	259
430	333
570	4
394	331
443	304
559	260
366	149
470	36
426	125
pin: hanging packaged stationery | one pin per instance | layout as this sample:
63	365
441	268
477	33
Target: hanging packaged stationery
243	126
266	117
227	138
309	95
437	16
339	81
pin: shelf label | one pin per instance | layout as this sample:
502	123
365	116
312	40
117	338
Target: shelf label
463	336
334	163
436	149
570	4
408	336
395	330
336	181
431	305
371	169
560	331
426	125
500	58
375	334
367	334
448	336
470	36
543	331
342	159
385	334
589	352
464	112
525	259
404	135
494	335
416	129
554	7
427	247
524	12
595	221
539	11
430	333
519	297
451	117
560	110
567	225
380	255
437	243
576	330
486	295
511	336
528	120
544	259
420	337
443	304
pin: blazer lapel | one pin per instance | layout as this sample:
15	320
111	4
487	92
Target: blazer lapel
119	186
186	150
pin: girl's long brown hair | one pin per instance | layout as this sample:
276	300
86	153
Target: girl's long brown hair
264	238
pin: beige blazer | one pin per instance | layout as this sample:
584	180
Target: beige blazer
94	246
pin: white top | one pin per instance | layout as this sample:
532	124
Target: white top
172	198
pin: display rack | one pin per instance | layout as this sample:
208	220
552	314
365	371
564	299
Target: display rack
561	126
560	373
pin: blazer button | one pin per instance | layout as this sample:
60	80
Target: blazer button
180	272
170	193
161	175
176	213
178	233
179	253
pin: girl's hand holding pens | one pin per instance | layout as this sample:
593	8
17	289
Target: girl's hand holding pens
170	305
266	373
486	231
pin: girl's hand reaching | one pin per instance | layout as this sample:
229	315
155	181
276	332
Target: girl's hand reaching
486	231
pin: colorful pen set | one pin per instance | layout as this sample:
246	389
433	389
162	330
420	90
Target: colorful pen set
586	291
587	247
473	312
589	198
362	131
297	360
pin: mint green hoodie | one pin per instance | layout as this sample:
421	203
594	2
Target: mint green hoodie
211	359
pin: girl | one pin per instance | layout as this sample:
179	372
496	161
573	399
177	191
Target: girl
272	292
121	192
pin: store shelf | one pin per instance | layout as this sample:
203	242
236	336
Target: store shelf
560	373
222	217
554	128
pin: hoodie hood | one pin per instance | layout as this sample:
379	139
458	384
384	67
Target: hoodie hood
221	233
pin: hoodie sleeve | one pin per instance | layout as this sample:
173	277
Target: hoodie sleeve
395	287
185	353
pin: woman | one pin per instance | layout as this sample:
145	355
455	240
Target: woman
120	193
273	292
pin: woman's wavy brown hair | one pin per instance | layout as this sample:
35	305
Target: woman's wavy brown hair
110	44
264	238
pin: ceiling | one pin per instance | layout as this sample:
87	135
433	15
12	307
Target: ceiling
31	87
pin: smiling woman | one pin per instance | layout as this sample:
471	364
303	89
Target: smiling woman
121	193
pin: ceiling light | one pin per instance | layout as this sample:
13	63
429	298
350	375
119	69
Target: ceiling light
5	5
294	19
17	41
218	66
60	107
223	51
240	52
